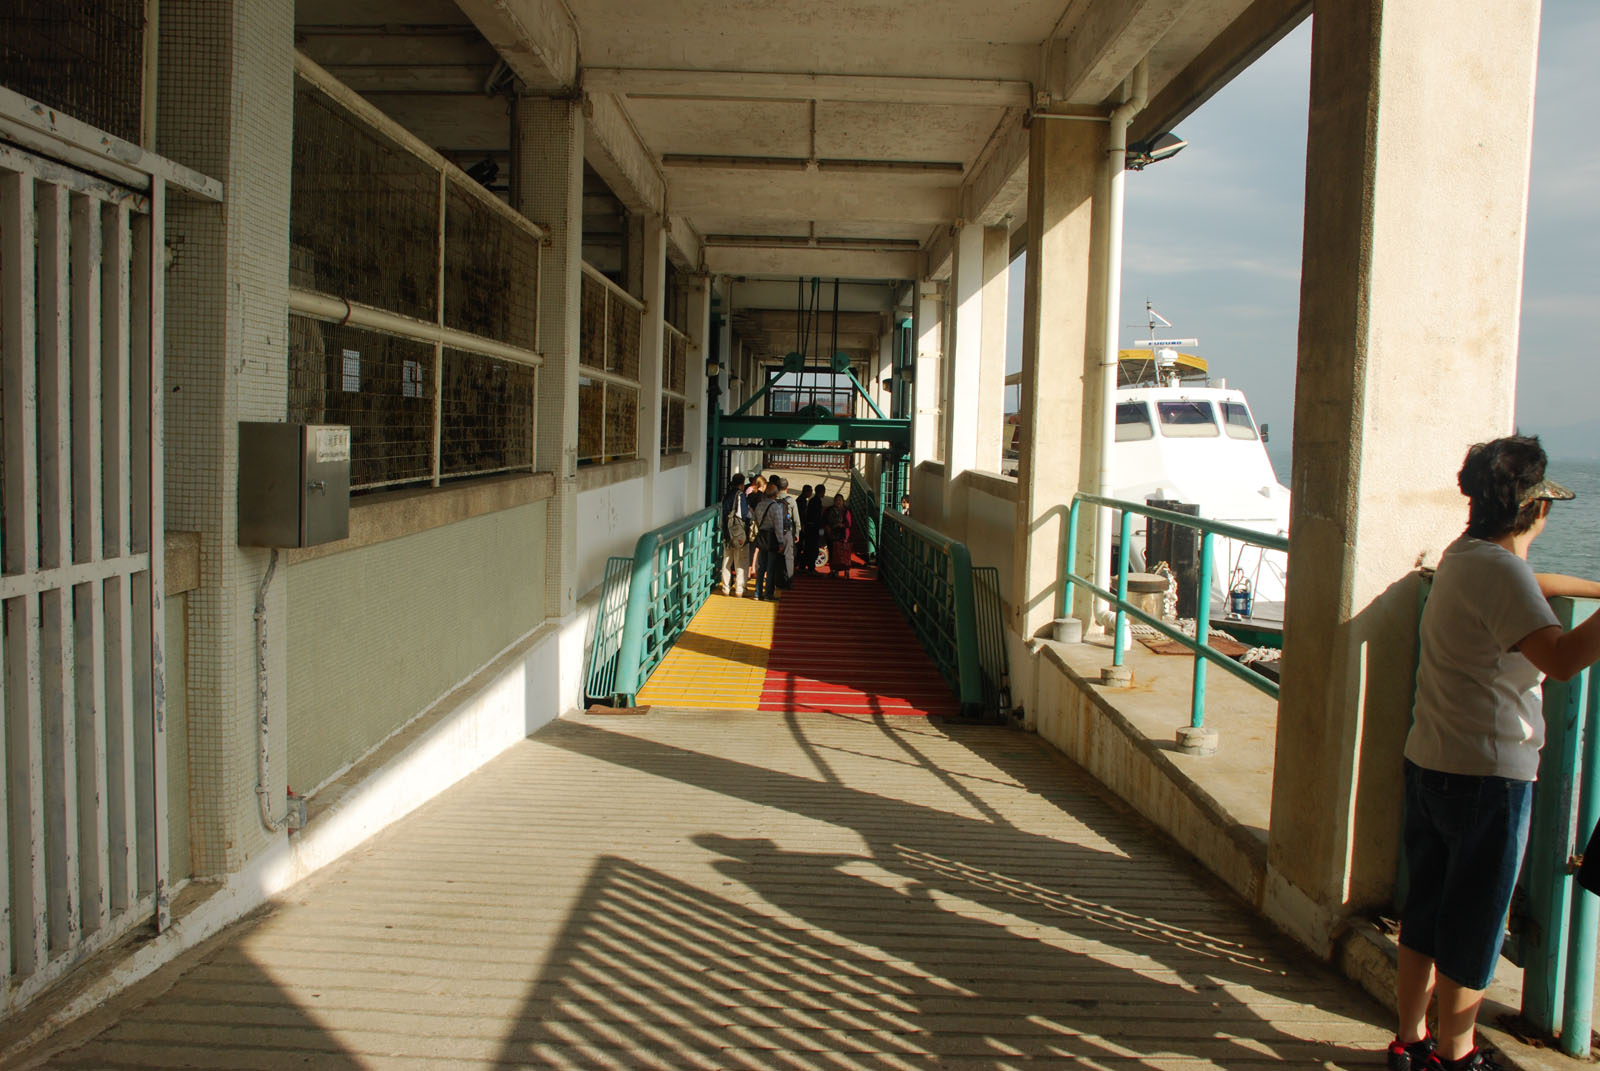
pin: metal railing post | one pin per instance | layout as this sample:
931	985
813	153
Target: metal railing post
1202	629
1072	556
1126	536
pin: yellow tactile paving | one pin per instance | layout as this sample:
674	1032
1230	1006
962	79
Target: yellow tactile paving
720	661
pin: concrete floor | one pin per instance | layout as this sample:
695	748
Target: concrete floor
697	889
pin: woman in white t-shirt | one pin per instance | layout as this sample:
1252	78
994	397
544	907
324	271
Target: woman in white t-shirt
1488	637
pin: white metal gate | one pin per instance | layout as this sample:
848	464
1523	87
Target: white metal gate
81	533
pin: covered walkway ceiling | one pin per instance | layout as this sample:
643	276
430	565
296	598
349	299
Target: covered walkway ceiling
831	137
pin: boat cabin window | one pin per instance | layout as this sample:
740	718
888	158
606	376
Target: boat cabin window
1187	420
1236	419
1133	422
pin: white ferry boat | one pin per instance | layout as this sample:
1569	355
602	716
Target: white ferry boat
1180	437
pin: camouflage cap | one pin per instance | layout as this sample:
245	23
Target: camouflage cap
1546	489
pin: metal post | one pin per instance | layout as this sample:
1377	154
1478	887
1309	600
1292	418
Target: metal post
1126	536
1072	556
1202	629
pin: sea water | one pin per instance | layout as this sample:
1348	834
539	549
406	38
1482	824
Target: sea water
1570	542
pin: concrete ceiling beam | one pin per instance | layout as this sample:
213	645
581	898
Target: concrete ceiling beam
788	263
938	255
1099	42
853	297
538	39
864	89
614	149
1246	39
684	245
997	186
832	196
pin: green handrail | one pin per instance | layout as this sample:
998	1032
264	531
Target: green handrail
671	575
867	510
930	577
602	678
1558	943
1198	646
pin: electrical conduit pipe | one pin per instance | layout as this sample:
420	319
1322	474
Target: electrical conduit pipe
1116	163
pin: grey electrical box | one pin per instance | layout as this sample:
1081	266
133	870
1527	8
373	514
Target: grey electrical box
294	484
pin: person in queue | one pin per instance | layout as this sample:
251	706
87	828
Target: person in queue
805	555
770	515
1488	636
754	492
837	522
736	546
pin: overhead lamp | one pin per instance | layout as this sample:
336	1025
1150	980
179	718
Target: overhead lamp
1141	154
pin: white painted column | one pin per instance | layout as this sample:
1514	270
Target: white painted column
1416	195
929	328
657	509
548	181
991	394
696	414
964	362
1058	358
228	113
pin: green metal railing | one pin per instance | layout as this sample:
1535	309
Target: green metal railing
1198	645
992	657
864	505
648	601
930	577
1557	940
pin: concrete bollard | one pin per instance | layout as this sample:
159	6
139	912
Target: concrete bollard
1192	741
1068	630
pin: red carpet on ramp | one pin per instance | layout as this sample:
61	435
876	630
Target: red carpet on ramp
843	647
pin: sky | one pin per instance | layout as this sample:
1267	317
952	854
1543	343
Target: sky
1212	236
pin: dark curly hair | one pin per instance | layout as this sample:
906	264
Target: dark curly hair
1494	478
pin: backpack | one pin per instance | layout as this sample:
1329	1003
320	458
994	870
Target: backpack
736	527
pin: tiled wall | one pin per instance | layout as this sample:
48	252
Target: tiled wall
226	80
376	635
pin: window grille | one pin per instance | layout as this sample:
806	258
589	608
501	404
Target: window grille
415	296
610	332
674	387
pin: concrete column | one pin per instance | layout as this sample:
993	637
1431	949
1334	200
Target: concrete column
991	396
696	415
964	361
1416	194
1065	166
227	111
548	188
929	329
651	343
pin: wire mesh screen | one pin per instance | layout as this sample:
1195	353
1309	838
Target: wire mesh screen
671	425
622	337
592	324
676	354
83	57
486	418
380	385
365	218
491	272
622	422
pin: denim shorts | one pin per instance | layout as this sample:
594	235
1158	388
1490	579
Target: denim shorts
1464	838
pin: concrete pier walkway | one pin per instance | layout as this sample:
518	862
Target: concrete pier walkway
742	890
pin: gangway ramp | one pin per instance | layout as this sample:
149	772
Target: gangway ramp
830	646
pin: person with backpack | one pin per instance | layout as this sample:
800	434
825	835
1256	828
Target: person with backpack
769	520
735	537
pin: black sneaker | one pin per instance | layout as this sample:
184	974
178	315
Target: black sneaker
1479	1059
1412	1057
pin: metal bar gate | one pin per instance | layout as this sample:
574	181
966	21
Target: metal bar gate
81	534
